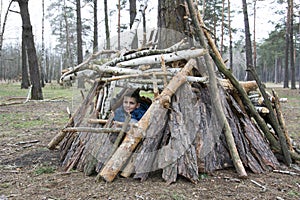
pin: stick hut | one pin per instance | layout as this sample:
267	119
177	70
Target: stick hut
183	132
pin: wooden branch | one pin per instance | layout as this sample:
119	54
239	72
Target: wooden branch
215	94
272	118
135	135
73	76
76	119
169	57
281	121
262	110
140	54
259	185
83	65
91	130
287	172
247	85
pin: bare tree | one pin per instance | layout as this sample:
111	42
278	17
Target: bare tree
95	39
36	92
79	40
3	26
230	37
249	60
292	59
107	35
287	47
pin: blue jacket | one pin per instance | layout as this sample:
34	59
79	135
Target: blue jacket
136	115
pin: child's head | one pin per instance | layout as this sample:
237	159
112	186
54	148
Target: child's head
131	101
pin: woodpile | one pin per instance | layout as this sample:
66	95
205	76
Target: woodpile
196	123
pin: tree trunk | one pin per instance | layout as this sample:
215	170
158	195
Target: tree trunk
36	92
292	59
171	29
287	47
249	60
79	41
106	25
230	38
95	38
132	10
254	35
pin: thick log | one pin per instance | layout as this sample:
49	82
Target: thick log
135	135
178	157
247	85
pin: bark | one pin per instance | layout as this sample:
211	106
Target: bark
25	78
214	90
178	157
244	97
132	10
171	29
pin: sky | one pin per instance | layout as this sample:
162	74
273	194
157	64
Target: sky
265	13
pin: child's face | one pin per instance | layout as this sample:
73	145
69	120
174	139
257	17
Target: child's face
129	104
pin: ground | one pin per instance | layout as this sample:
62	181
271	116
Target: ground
30	171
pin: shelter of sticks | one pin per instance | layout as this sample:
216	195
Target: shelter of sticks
183	132
180	134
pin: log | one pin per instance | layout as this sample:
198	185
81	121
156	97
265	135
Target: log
178	157
168	57
248	86
134	136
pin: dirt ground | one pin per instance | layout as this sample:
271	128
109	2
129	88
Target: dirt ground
30	171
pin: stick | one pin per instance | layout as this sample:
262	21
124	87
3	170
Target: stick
287	172
215	95
91	130
281	120
259	185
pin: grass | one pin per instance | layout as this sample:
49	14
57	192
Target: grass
50	91
44	170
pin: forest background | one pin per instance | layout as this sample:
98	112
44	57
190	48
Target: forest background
55	31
